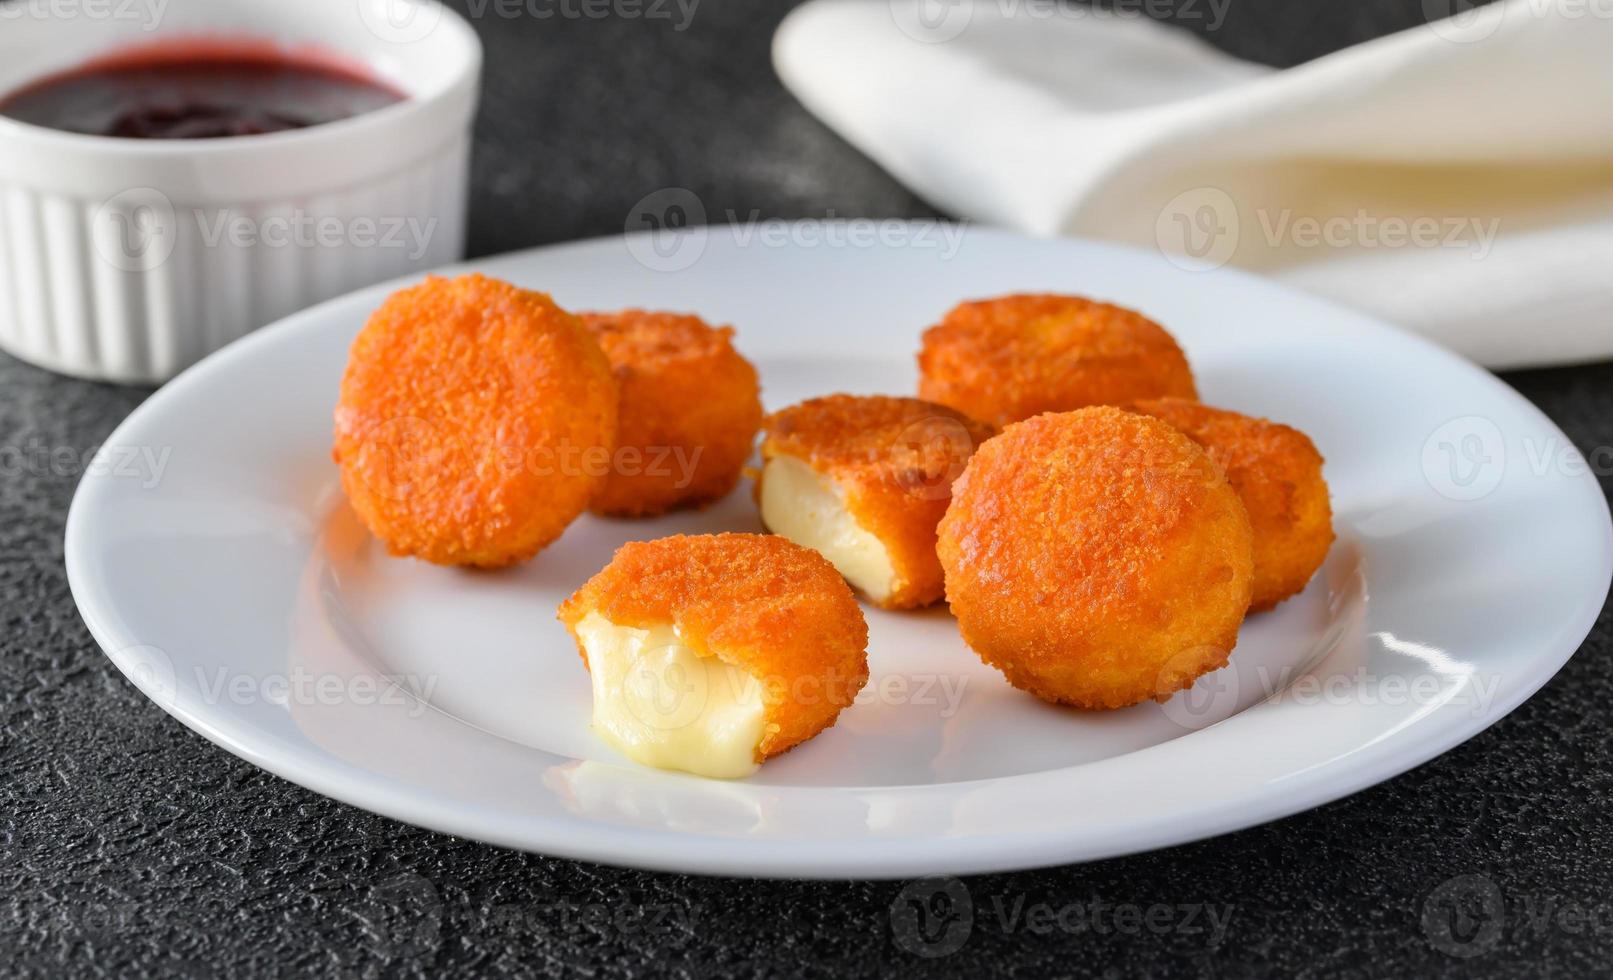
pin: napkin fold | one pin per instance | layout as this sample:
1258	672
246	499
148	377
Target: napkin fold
1455	178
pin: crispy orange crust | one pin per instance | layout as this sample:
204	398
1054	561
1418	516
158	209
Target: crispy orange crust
474	421
1277	472
1006	359
1097	558
774	609
895	459
690	406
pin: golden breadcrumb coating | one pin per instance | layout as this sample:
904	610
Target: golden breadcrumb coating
690	407
776	610
1006	359
1277	472
895	460
1097	558
475	421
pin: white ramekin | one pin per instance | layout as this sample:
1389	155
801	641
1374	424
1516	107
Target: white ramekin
127	260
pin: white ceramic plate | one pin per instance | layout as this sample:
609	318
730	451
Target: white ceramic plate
213	557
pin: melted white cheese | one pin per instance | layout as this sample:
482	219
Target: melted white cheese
809	508
661	704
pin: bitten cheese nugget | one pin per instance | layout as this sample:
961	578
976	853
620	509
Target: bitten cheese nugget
689	409
474	422
1006	359
863	480
1098	558
712	653
1277	472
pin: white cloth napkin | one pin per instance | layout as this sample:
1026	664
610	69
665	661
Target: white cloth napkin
1455	178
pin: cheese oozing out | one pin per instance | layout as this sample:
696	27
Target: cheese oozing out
661	704
810	509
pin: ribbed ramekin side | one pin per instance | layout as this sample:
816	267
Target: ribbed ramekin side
136	287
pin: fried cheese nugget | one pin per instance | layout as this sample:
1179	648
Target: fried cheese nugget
1098	558
474	421
1277	472
711	653
1006	359
689	410
863	480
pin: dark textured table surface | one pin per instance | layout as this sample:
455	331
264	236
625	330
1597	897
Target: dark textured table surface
130	845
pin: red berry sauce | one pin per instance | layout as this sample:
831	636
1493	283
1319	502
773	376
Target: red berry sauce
199	89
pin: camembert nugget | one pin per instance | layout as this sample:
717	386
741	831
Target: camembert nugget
1006	359
473	422
689	409
711	653
1278	475
864	480
1097	558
